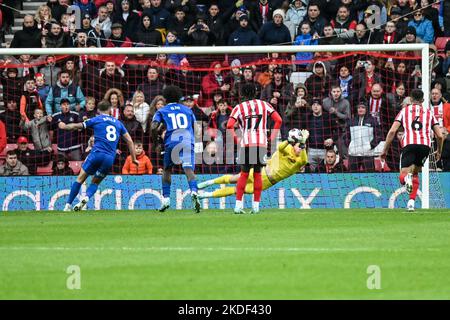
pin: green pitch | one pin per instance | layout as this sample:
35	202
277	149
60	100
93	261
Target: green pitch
279	254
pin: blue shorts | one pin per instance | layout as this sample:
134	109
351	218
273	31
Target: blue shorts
98	164
178	154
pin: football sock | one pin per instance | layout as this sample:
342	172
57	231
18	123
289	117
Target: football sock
255	205
91	190
223	179
240	187
193	186
402	177
415	182
223	192
257	186
74	190
239	205
166	189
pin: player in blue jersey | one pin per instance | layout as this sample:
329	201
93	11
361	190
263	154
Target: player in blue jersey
107	132
179	139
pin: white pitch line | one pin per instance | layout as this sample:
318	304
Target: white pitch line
294	249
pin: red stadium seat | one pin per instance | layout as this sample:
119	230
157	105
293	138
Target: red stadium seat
440	43
76	166
45	171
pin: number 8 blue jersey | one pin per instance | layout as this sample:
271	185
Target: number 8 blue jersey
179	121
107	132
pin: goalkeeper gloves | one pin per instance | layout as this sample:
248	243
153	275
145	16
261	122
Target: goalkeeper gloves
304	136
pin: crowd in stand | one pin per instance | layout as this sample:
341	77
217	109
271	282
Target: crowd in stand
347	102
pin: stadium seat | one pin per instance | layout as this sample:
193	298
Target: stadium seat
440	43
379	167
75	166
299	77
45	171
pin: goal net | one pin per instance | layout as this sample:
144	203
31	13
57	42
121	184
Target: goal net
346	97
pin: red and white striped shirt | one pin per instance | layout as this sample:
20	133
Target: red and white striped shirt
418	123
252	117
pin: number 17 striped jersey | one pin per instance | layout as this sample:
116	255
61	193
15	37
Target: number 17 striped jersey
107	132
252	117
418	123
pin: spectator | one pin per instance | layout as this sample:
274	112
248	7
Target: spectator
445	158
444	17
214	81
304	39
217	125
152	86
329	37
29	36
188	6
275	32
32	158
54	36
396	99
330	164
90	111
68	142
3	141
315	19
180	23
298	108
72	68
187	80
446	62
393	156
345	80
115	98
144	167
295	14
173	41
198	113
261	12
86	25
278	92
160	16
339	109
199	33
158	102
247	78
432	14
133	126
365	78
43	16
86	7
12	85
318	83
42	88
102	24
380	109
215	24
58	8
424	27
11	119
29	101
437	105
111	76
64	89
12	166
147	34
141	109
400	23
321	129
50	71
364	135
343	25
244	35
61	167
118	40
25	64
389	35
127	18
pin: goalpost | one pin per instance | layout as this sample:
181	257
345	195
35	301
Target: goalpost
431	195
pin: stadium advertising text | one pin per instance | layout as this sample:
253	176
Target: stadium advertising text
304	191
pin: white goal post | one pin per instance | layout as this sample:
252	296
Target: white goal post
424	48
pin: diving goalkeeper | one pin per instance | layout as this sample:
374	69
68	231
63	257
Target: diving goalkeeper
287	160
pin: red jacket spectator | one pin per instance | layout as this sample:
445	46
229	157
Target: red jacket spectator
212	82
2	136
215	123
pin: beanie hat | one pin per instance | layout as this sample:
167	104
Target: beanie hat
278	11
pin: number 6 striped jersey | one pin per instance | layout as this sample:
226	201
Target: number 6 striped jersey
252	118
418	123
107	132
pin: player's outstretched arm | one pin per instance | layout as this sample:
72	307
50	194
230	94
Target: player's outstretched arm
130	145
276	127
389	138
70	126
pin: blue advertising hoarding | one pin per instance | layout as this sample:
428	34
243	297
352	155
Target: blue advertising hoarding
303	191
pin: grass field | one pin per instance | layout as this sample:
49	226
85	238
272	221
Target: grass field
279	254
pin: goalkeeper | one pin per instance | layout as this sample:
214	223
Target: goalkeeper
287	160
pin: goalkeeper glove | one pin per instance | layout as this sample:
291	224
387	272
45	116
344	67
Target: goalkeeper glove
304	136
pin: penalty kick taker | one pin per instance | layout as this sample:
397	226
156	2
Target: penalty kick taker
289	158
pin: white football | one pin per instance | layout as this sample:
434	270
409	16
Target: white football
294	135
